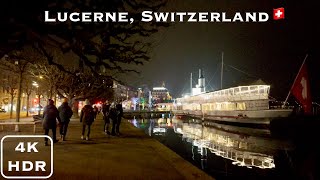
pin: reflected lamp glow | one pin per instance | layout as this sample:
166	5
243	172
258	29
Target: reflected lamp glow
157	129
159	88
134	122
179	130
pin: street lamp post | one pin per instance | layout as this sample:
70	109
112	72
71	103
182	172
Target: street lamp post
18	100
39	96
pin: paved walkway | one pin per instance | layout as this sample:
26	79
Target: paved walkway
133	155
6	115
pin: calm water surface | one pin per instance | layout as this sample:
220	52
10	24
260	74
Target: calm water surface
230	152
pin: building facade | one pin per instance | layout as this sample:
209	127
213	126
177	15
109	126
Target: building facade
122	92
160	95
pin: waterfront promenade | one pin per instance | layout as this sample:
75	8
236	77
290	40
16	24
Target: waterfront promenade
133	155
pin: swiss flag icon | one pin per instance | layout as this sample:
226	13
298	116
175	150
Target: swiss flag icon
278	13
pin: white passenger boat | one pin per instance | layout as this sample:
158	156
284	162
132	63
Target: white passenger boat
242	104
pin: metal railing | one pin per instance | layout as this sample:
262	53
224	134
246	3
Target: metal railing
240	93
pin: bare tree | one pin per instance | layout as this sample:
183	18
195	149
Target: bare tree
27	87
83	86
102	47
12	90
17	63
47	76
11	85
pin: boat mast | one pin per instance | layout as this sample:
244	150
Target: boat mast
284	104
191	85
221	72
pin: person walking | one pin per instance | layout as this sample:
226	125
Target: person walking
87	118
113	116
106	118
65	113
50	116
95	110
119	117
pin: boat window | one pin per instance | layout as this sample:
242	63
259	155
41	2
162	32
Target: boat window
241	106
254	89
231	91
236	90
244	90
262	90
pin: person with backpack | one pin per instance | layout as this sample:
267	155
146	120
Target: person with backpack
106	117
87	118
65	113
50	116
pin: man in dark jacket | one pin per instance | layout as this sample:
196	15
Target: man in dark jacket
119	117
50	115
105	113
87	118
65	113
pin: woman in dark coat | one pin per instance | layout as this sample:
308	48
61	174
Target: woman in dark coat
50	116
65	113
87	118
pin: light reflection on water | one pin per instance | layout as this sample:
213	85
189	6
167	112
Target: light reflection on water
223	151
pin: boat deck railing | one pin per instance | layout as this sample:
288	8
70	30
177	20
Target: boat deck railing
240	93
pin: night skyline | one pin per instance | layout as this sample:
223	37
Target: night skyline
271	51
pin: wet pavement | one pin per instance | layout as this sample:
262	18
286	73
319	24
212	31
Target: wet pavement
133	155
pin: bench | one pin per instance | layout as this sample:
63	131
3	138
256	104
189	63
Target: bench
34	123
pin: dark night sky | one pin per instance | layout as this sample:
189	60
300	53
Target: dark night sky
272	51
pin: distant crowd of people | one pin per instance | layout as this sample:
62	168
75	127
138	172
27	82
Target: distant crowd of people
111	112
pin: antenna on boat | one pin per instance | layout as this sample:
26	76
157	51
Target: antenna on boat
285	102
221	72
191	85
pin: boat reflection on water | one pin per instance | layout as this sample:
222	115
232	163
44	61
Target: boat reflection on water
227	152
227	145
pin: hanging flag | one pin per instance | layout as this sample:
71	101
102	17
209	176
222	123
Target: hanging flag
301	89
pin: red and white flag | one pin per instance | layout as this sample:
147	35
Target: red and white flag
301	89
278	13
